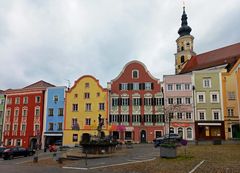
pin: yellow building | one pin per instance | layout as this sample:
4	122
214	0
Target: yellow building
84	102
231	101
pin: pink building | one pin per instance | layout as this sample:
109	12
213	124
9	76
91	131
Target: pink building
178	92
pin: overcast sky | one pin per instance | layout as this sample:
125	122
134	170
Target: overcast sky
60	40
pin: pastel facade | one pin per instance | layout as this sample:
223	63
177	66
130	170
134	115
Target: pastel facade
231	101
178	96
2	105
136	105
23	118
84	102
209	115
53	115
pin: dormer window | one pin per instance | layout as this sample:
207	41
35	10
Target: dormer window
135	74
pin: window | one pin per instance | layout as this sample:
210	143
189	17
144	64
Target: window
18	142
148	86
75	138
88	121
169	87
60	111
60	126
124	86
171	130
216	114
125	102
37	99
113	118
86	95
147	101
207	83
25	100
50	126
87	85
75	95
170	101
9	101
101	106
135	74
180	131
136	101
55	98
114	101
231	95
188	115
187	86
1	101
37	111
23	128
214	97
159	101
15	127
136	118
179	101
16	112
128	135
179	115
9	112
124	118
230	112
37	127
178	87
189	133
135	86
187	100
201	97
50	111
160	118
74	107
17	100
201	114
88	107
182	59
24	112
148	118
98	94
170	115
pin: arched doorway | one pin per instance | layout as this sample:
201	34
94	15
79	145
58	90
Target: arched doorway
33	143
143	136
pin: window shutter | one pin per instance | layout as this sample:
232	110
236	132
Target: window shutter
120	87
154	118
110	118
128	118
163	101
112	102
131	84
153	101
118	118
152	86
143	86
128	85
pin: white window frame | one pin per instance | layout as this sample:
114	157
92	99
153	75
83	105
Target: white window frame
209	82
187	88
170	87
230	112
135	86
201	111
204	98
124	86
211	97
180	85
187	115
219	114
148	86
133	73
190	100
191	133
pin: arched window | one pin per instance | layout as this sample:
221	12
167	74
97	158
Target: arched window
189	133
182	48
135	74
182	59
180	131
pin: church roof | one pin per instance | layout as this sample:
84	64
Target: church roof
226	55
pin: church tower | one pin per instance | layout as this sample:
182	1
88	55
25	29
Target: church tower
184	44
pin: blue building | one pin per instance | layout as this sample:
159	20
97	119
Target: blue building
53	116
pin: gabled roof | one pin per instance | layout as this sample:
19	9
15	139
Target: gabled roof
227	55
39	84
1	91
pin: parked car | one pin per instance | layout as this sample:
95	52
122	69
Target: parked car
1	150
172	137
12	152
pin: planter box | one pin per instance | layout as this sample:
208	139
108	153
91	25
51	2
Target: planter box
168	152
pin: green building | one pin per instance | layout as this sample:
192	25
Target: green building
209	119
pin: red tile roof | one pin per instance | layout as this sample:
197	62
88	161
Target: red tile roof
39	84
226	55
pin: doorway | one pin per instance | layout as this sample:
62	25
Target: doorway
143	136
